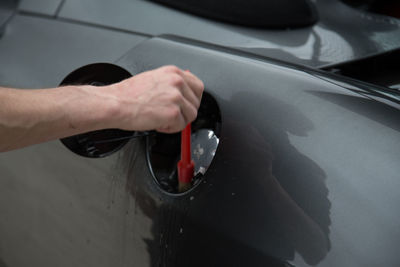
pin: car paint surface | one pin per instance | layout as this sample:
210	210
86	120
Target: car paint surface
42	7
7	10
342	34
314	142
306	172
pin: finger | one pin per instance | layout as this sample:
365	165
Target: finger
189	95
172	124
194	83
174	127
189	112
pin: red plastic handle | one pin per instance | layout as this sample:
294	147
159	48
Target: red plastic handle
186	165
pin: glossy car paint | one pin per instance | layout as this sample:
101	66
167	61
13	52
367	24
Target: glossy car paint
341	34
302	141
7	10
306	171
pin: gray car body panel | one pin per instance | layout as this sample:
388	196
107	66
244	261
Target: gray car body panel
342	33
42	7
319	139
306	171
7	10
38	52
35	230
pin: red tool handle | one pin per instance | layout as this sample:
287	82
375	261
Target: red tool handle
186	164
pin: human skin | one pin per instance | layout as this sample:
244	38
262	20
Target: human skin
165	99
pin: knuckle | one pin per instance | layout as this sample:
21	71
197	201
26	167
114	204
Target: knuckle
177	80
201	85
172	68
197	103
176	96
174	113
192	116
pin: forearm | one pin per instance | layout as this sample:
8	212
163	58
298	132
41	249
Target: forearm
33	116
165	99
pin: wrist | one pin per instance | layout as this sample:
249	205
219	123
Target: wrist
108	106
93	108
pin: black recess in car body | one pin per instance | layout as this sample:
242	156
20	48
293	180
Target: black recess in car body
252	13
100	143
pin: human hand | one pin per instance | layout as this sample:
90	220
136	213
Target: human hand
165	99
